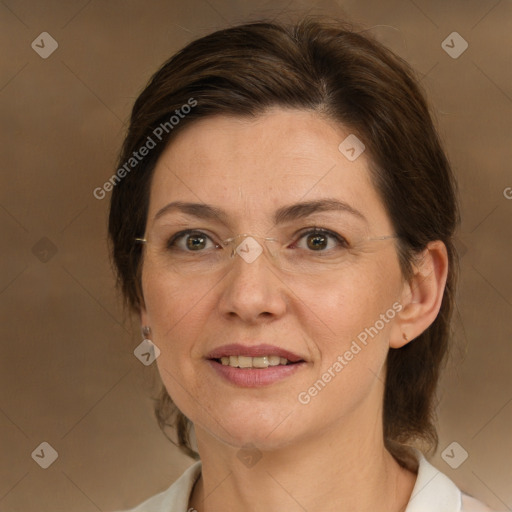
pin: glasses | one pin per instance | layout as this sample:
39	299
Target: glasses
313	252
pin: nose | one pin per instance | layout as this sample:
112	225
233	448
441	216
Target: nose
251	291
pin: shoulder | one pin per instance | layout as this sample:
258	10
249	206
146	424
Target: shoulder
434	491
470	504
176	497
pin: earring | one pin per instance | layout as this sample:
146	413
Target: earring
146	332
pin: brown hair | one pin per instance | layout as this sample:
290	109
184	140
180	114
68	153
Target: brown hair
327	67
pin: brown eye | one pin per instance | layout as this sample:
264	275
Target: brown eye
320	240
191	241
195	242
317	241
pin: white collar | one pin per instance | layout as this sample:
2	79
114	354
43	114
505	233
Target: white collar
432	492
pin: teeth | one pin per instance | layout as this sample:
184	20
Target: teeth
253	362
274	360
259	362
243	361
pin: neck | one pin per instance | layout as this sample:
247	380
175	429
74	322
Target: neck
334	471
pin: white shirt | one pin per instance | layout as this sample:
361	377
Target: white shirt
433	492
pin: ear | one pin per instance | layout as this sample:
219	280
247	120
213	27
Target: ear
422	295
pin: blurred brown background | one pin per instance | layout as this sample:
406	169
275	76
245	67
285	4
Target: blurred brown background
68	373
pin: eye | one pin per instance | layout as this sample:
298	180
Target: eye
319	240
191	241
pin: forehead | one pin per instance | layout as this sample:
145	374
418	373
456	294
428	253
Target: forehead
253	166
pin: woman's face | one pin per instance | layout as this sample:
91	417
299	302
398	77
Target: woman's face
315	306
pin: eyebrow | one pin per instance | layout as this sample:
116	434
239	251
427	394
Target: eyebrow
200	210
307	208
283	214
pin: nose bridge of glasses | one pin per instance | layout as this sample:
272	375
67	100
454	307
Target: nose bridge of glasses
249	246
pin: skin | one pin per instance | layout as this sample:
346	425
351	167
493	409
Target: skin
315	456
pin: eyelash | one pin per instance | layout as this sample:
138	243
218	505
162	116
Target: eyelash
322	231
298	236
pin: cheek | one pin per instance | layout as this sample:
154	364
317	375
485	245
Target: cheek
171	301
176	312
346	305
351	319
351	351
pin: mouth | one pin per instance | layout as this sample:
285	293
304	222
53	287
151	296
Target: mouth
255	356
254	366
254	362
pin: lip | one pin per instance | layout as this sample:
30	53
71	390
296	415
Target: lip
254	377
237	349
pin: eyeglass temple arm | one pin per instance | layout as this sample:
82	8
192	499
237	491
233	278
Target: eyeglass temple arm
229	240
385	237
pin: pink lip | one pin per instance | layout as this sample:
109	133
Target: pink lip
236	349
255	377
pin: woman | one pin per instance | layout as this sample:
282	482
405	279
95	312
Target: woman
283	224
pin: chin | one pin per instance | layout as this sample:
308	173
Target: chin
264	431
256	440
